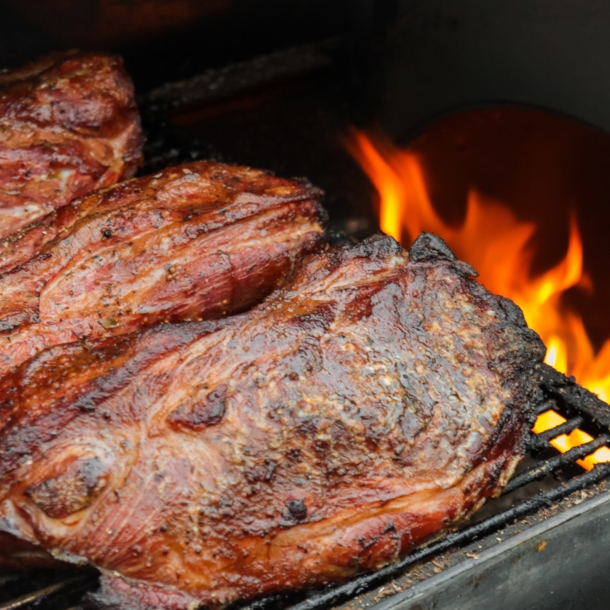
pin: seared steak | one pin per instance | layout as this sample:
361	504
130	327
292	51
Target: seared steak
373	402
68	125
193	242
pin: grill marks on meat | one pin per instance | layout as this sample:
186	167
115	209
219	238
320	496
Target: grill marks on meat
68	125
196	241
373	402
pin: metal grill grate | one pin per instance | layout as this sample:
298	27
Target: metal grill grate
45	589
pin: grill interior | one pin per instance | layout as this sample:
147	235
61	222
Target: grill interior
543	478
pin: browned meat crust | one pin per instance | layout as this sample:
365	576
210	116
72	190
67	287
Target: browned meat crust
373	402
68	125
196	241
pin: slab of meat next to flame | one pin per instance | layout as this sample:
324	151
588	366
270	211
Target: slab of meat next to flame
373	402
193	242
68	125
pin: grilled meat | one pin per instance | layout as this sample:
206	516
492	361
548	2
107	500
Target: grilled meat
68	125
375	401
193	242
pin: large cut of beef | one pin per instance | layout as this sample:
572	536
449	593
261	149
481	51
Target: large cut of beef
68	125
374	401
192	242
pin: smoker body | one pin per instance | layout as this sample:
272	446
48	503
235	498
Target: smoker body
401	64
440	56
562	560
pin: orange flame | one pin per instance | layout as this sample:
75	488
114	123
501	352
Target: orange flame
497	245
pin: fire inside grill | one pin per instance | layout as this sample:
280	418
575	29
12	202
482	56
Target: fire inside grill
498	246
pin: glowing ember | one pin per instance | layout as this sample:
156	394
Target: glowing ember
497	245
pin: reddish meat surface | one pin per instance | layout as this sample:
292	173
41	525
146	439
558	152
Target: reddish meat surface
373	402
68	125
196	241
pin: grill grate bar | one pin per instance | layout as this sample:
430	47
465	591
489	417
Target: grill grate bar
37	596
555	463
4	580
547	405
540	441
453	540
